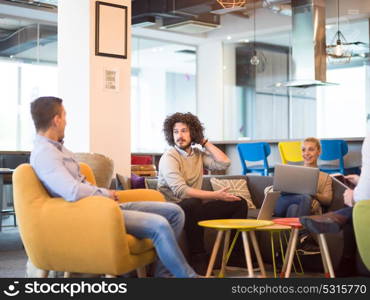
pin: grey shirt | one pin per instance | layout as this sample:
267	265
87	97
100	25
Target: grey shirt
178	171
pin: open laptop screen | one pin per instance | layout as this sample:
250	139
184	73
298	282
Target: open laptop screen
296	179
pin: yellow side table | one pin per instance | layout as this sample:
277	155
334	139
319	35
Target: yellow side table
242	225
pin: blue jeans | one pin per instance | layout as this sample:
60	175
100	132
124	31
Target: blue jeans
346	212
162	222
293	205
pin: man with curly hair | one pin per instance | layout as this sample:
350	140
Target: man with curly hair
180	180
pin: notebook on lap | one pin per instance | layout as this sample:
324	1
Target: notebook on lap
296	179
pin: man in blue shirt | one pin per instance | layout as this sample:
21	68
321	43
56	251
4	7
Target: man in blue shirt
60	174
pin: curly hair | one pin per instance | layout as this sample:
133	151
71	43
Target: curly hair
195	126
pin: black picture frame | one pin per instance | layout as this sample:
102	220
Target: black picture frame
101	26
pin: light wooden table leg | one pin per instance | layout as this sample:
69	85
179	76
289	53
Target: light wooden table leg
214	253
287	265
292	251
323	258
43	273
224	254
325	255
258	253
247	254
141	272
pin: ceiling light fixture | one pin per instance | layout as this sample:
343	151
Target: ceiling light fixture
339	51
231	3
258	59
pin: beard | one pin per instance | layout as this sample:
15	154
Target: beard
183	146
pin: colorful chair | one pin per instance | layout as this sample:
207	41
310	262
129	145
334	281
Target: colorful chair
333	150
255	152
141	159
361	225
291	152
86	236
143	165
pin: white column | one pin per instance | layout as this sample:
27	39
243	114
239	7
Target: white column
210	88
98	118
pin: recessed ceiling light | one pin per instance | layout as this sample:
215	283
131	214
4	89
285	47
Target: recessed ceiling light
229	37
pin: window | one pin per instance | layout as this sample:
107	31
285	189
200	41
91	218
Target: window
27	70
163	82
341	109
255	109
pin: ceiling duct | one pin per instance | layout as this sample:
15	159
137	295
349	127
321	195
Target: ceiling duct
308	44
41	4
27	38
191	26
282	7
186	16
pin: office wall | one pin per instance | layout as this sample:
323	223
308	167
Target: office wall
210	88
98	118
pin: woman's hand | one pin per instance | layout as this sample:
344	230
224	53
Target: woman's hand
353	178
348	197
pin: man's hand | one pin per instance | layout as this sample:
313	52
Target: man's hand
353	178
225	196
348	197
113	195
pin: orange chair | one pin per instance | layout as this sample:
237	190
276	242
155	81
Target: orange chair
86	236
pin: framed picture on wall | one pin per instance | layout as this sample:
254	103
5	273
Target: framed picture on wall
110	30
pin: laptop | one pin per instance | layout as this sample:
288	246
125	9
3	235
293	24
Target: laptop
296	179
268	206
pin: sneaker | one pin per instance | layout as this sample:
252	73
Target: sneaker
308	245
327	223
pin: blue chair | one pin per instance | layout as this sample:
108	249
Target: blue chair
333	150
255	152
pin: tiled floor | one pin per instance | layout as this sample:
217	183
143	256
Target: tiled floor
12	255
235	272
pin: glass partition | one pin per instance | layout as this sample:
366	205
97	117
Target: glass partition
256	109
28	69
163	82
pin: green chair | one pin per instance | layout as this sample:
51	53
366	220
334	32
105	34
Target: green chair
361	224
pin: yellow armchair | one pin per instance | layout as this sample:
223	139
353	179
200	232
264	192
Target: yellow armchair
86	236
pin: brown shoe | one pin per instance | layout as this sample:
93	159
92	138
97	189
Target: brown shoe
327	223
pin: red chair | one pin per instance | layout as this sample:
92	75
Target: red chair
141	160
